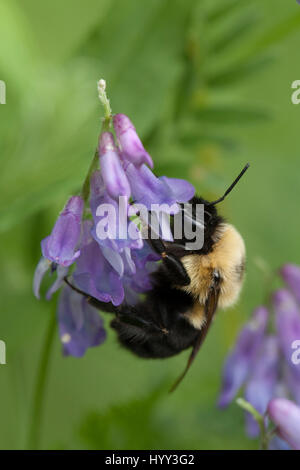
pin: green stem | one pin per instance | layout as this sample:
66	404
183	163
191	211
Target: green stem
85	191
258	418
106	123
39	388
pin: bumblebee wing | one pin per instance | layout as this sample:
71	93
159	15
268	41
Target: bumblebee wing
210	309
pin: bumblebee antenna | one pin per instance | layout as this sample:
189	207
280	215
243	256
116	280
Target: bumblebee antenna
230	187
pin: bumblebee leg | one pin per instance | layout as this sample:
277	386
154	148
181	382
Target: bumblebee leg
140	323
133	316
171	262
104	306
124	313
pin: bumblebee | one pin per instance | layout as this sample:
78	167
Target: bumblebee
188	287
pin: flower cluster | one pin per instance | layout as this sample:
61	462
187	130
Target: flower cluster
263	360
115	267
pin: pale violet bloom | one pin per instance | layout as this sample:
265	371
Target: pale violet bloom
61	246
80	324
261	385
115	180
240	361
291	275
130	144
286	417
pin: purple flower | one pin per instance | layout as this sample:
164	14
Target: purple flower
140	281
261	385
44	265
94	275
293	382
278	444
181	190
240	360
111	223
61	246
286	416
129	142
80	325
61	272
115	180
288	325
147	189
291	276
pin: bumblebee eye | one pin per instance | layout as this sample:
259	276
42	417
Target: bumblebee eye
216	277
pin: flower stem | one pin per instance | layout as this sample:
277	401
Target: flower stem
39	389
85	191
106	123
105	102
258	418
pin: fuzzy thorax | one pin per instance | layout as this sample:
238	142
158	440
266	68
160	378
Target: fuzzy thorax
227	259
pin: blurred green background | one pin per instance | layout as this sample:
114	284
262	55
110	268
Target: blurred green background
208	86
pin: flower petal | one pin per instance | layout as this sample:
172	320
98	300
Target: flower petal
111	222
286	416
60	246
95	276
61	272
261	386
80	325
42	267
182	190
239	362
278	444
148	190
291	275
130	143
114	177
287	313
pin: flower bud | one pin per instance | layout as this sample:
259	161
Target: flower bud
61	245
130	143
114	177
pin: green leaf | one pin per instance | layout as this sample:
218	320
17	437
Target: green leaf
222	10
276	34
235	33
238	72
61	27
195	138
116	429
230	115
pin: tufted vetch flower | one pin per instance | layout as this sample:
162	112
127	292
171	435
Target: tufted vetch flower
130	144
61	246
97	242
80	325
274	373
240	361
286	416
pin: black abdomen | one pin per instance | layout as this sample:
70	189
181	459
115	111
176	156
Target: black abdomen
168	332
